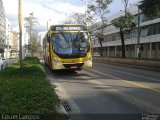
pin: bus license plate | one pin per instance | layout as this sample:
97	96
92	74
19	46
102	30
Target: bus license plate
73	67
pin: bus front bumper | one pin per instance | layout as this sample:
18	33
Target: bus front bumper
58	65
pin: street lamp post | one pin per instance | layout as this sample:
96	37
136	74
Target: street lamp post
48	24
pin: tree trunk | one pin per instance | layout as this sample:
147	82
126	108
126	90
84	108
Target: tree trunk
123	44
101	49
32	54
101	37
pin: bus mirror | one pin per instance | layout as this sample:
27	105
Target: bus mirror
48	38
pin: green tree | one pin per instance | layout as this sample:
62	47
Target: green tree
78	18
30	22
150	8
75	18
99	8
34	46
124	22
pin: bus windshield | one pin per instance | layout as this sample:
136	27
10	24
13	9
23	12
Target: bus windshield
72	44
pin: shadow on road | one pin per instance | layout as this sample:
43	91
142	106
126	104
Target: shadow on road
64	72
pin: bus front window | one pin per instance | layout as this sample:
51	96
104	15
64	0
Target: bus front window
73	44
60	45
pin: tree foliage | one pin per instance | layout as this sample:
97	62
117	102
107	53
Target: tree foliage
78	18
123	23
75	18
150	8
34	46
30	22
99	8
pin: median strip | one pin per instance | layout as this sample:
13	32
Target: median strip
26	91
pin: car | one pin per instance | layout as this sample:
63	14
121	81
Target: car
96	54
3	63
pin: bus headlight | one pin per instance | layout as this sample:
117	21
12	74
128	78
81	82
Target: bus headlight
56	60
88	62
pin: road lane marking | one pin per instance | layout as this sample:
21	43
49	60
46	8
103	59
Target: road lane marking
103	73
133	83
113	68
132	74
142	86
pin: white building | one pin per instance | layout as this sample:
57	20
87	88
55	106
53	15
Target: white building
149	37
8	40
25	38
41	36
2	28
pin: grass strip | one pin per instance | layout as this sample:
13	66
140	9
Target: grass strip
26	91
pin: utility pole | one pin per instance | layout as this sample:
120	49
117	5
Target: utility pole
48	24
20	32
138	37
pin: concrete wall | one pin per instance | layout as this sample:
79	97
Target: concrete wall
139	63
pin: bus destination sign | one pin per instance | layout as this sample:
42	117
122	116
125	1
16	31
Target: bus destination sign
68	28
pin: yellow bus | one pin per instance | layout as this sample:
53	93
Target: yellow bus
67	47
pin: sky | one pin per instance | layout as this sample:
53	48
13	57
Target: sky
53	11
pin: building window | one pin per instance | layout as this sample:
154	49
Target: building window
134	33
132	47
142	47
158	28
144	31
152	29
119	48
127	47
148	46
153	46
127	34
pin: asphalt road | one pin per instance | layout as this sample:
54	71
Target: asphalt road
108	92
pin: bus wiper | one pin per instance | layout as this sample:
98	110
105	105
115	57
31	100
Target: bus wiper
64	37
77	35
